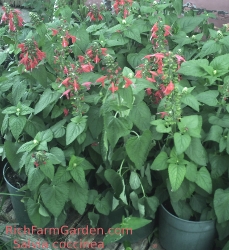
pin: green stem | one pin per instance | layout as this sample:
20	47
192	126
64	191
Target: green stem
120	169
134	133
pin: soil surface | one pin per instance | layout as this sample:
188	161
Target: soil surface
14	179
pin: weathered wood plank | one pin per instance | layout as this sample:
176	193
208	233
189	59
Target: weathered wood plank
142	245
155	245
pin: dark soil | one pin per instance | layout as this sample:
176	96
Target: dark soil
14	179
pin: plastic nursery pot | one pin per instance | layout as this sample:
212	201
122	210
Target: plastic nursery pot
16	196
179	234
115	217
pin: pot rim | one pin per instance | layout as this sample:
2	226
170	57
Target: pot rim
183	220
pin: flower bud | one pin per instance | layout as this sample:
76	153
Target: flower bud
35	141
123	21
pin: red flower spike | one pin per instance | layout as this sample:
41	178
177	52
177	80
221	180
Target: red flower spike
64	42
167	29
87	67
148	91
87	85
96	59
66	93
54	32
138	74
104	51
76	86
81	59
66	82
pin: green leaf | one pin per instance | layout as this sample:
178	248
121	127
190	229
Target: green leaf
160	162
73	130
193	68
176	175
103	206
137	148
94	218
61	175
27	147
188	23
178	6
11	151
78	175
218	165
116	128
58	129
115	180
182	142
226	246
18	90
209	47
198	203
47	169
141	84
191	101
191	172
182	209
134	180
35	177
196	152
135	59
40	74
46	98
203	180
222	122
134	222
55	197
152	204
57	156
140	115
17	124
78	197
3	56
214	134
208	97
35	216
133	33
110	238
221	205
95	121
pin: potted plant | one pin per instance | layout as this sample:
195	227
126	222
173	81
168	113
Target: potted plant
105	96
192	155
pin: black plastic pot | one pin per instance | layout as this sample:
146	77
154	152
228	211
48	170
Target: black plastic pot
179	234
16	197
115	217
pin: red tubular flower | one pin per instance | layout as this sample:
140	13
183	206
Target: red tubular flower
113	88
138	74
87	85
104	51
64	42
54	32
128	82
167	29
81	59
148	91
96	59
66	81
76	86
102	80
40	54
169	89
65	70
65	112
163	114
66	93
87	67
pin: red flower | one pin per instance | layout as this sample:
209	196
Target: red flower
169	89
113	88
87	85
87	67
102	80
104	51
66	93
167	29
54	32
128	82
66	112
76	86
148	91
64	42
163	114
65	70
96	59
40	54
138	74
81	59
66	82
